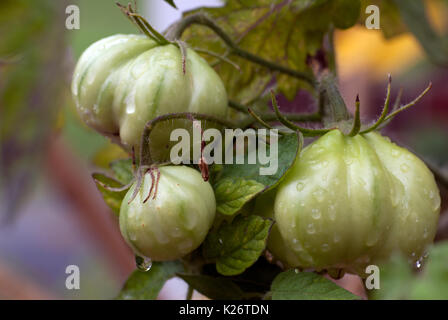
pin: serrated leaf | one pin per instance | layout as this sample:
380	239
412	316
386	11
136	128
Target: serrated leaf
290	285
217	288
289	146
232	194
112	199
284	32
236	246
236	184
435	46
123	170
147	285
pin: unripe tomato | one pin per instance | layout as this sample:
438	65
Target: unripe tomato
123	81
176	221
353	201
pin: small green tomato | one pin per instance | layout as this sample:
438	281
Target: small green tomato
176	221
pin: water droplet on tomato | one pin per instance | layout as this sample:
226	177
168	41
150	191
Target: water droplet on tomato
310	229
315	213
143	263
395	153
404	167
300	186
372	239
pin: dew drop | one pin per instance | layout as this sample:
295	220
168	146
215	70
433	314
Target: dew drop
315	213
395	153
348	161
404	167
220	241
310	229
325	247
425	233
300	186
372	239
143	263
418	264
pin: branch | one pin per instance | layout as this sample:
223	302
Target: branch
270	117
202	19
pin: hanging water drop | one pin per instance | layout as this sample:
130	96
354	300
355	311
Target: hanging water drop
404	167
418	264
315	213
310	229
143	263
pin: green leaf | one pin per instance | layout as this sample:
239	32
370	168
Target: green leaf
289	146
146	285
217	288
232	194
284	32
236	246
292	285
171	3
112	199
236	184
345	13
123	170
398	281
435	46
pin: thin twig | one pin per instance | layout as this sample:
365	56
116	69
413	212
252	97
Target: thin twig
385	109
270	116
218	56
305	131
410	104
202	19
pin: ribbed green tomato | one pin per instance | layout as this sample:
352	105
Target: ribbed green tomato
123	81
352	201
176	221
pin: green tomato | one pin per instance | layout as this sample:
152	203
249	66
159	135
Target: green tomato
353	201
123	81
176	221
